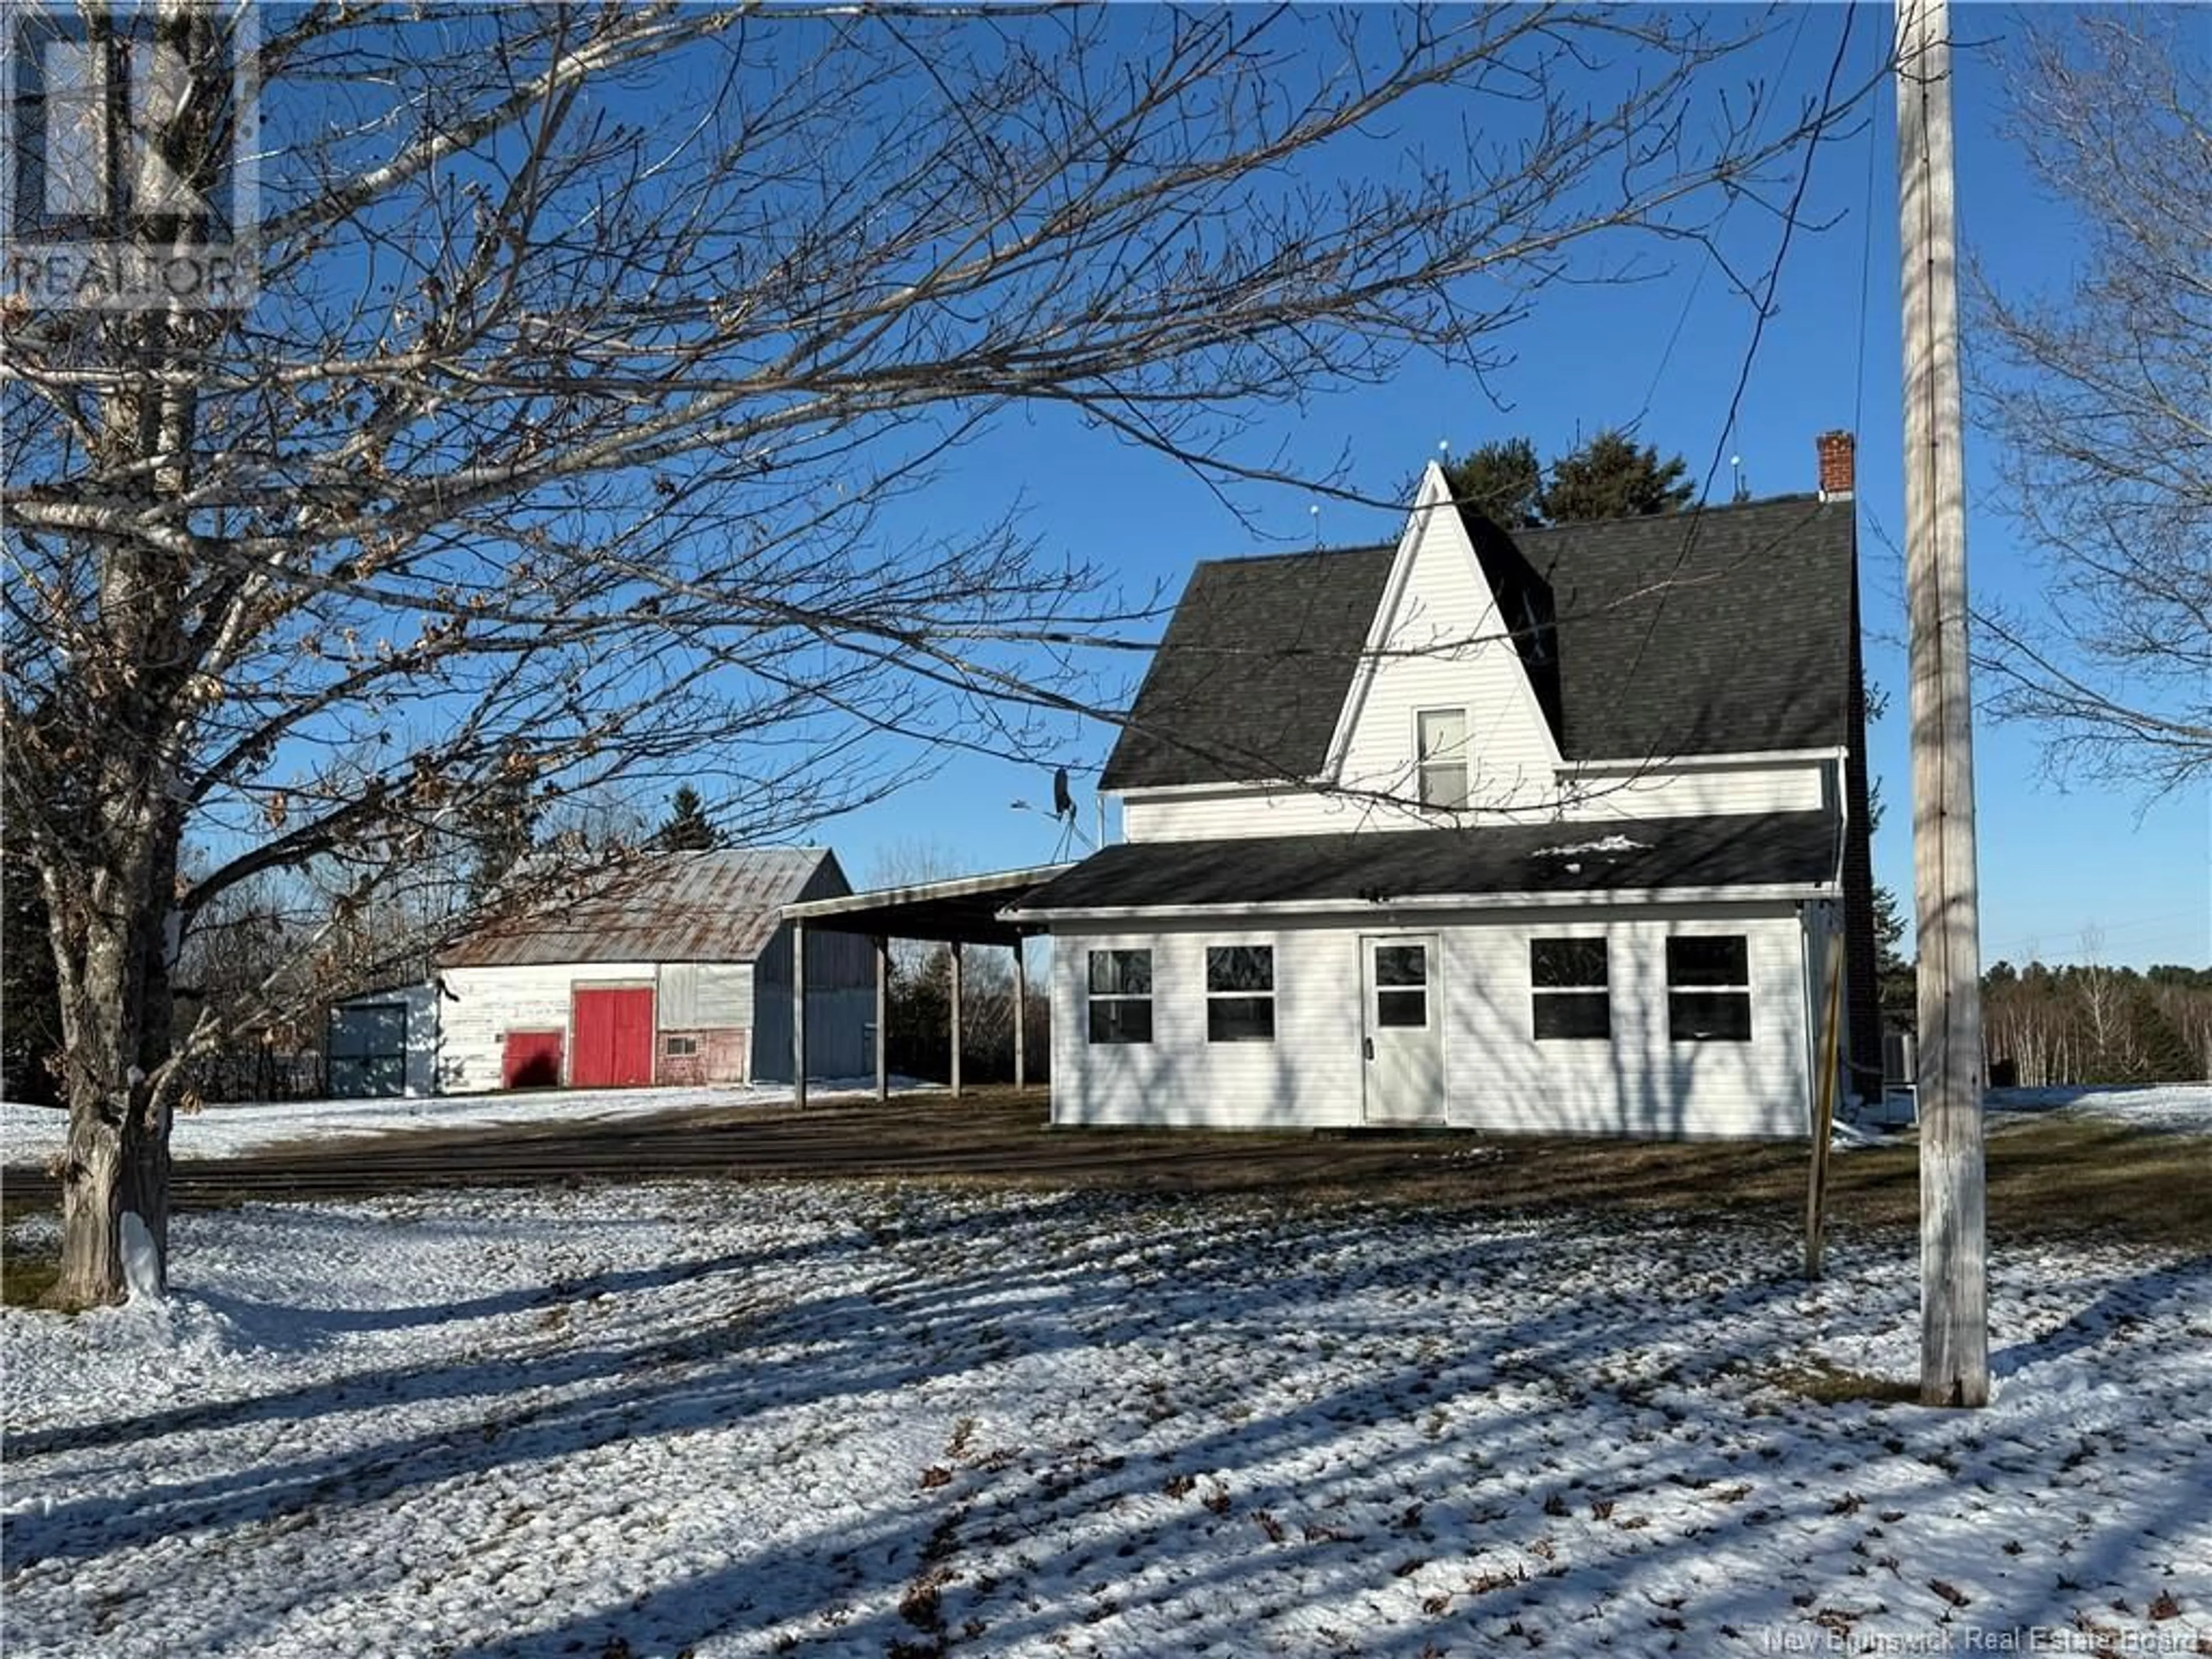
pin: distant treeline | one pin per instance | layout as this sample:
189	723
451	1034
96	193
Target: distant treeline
2094	1025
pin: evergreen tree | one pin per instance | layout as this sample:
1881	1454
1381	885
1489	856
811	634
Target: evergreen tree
503	824
30	994
1611	477
687	828
1502	480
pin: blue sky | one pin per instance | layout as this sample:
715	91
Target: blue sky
2059	865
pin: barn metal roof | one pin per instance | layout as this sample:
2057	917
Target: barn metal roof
721	906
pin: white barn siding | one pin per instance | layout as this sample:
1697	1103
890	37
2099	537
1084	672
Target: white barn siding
700	994
1498	1075
482	1004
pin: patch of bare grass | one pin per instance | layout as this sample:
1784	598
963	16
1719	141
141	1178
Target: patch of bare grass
1832	1385
26	1276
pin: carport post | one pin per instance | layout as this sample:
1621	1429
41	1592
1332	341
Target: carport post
883	1016
1021	1016
956	1019
799	1013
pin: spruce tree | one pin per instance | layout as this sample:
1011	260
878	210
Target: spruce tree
1611	477
1502	480
686	828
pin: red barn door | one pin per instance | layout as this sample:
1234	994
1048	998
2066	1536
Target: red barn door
614	1038
531	1061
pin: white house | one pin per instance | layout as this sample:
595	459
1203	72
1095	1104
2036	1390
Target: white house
679	972
1545	830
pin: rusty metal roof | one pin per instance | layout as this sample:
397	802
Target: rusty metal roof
721	906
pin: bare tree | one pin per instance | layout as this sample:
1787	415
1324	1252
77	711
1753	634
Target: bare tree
2099	400
593	343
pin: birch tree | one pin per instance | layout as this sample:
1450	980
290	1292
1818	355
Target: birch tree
594	346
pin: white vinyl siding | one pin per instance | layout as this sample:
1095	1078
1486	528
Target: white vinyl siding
1498	1075
1706	788
1640	1082
1310	1074
1443	647
1682	789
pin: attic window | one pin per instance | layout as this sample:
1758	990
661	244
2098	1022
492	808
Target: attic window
1440	739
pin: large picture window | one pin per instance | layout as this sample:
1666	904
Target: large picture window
1120	996
1709	989
1240	993
1568	995
1441	735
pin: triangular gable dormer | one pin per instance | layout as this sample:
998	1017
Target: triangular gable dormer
1438	646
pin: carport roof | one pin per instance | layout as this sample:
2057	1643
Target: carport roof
964	909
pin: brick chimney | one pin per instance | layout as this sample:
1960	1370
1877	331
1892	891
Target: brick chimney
1838	466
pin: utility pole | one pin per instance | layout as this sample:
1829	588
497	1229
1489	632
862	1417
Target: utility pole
1954	1335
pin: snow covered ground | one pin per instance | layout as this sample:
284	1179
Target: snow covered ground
32	1133
894	1420
2154	1106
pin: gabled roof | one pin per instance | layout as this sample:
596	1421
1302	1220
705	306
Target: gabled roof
1252	670
1722	630
1789	850
721	906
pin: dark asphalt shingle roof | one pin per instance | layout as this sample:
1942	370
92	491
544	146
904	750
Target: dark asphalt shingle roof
1721	632
1636	855
1253	672
1725	630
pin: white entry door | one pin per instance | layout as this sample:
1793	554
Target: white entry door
1403	1040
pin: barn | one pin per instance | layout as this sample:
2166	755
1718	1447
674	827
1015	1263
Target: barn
677	972
384	1043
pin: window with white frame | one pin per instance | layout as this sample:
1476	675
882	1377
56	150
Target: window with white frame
1120	996
1240	993
1567	989
679	1048
1709	988
1440	736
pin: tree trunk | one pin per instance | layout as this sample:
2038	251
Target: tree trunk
115	1008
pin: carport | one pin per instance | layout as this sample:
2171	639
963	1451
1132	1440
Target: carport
957	914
